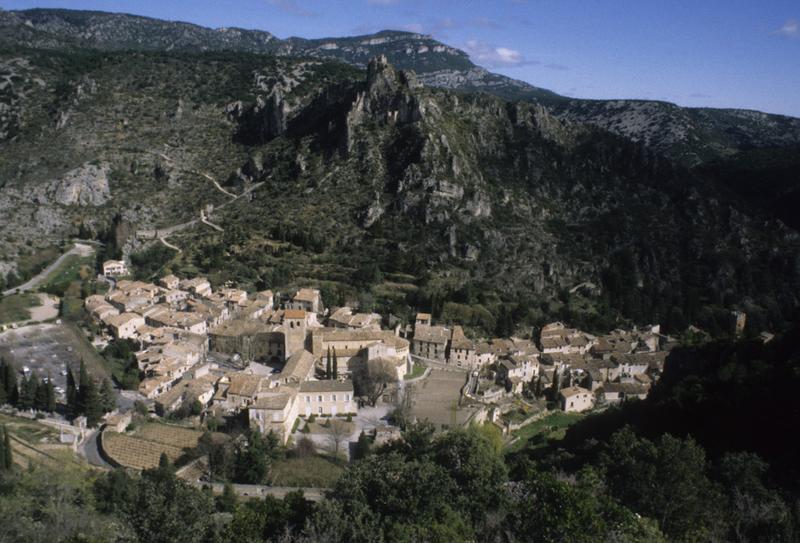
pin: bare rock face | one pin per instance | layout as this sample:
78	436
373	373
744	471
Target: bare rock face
83	186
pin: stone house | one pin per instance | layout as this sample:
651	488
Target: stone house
344	317
275	411
330	397
423	319
198	285
576	399
619	392
174	297
124	326
243	390
114	268
307	299
169	282
462	351
522	367
430	342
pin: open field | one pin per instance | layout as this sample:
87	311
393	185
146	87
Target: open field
35	444
553	426
72	268
17	307
436	398
314	471
47	349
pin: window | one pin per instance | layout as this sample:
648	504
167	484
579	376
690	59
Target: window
334	397
308	399
347	397
319	398
320	410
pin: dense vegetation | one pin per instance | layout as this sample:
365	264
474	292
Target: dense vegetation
710	454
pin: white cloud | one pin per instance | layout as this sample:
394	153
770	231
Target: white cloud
493	57
790	28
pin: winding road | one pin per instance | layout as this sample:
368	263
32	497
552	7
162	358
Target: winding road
79	249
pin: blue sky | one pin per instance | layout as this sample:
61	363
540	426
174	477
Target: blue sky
719	53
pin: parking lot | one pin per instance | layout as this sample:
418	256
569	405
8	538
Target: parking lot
45	349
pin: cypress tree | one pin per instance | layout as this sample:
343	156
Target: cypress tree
93	403
328	366
27	392
335	365
567	380
2	449
10	383
8	458
227	502
40	398
363	446
51	396
72	395
3	395
83	389
556	387
107	398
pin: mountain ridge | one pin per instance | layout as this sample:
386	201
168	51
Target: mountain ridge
691	136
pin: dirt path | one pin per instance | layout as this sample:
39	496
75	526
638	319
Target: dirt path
195	172
48	310
168	244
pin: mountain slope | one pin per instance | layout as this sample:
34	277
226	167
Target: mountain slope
420	197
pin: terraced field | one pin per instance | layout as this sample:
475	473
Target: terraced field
136	453
142	448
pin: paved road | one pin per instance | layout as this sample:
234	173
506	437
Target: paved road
89	450
78	249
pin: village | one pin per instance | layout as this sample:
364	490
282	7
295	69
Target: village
282	361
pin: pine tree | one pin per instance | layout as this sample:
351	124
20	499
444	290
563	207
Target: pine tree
107	397
2	449
328	365
335	365
72	395
8	458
